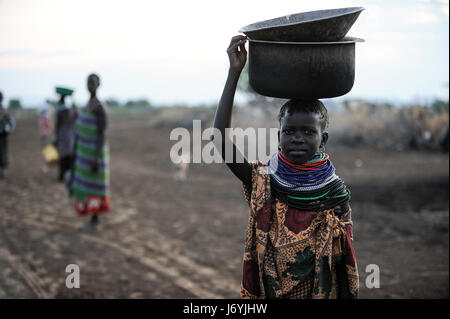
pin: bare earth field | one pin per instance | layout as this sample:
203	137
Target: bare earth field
169	239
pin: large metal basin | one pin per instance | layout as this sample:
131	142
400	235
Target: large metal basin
302	69
317	26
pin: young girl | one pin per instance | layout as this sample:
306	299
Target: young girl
90	173
299	238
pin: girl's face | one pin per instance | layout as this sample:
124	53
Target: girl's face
301	136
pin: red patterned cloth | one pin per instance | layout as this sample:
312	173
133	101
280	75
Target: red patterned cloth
296	254
94	205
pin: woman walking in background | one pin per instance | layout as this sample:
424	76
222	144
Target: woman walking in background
7	125
64	132
90	174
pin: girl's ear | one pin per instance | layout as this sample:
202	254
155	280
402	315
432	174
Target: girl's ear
324	139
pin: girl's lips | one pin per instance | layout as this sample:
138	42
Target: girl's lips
297	152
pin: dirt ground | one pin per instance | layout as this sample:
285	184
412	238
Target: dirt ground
170	239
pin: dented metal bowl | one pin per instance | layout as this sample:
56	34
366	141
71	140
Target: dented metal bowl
316	26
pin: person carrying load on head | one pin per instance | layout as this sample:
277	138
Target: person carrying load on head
299	238
64	132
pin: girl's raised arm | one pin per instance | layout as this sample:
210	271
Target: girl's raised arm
238	56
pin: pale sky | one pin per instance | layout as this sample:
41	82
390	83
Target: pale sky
174	51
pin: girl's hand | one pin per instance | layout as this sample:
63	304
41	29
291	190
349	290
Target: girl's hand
237	53
95	166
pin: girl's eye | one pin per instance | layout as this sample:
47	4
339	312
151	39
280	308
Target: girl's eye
309	132
288	131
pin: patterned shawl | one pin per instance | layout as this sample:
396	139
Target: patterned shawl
291	253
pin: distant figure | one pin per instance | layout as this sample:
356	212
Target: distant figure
421	136
90	174
45	126
7	125
182	170
65	134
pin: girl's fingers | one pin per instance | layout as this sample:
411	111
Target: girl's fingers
233	47
237	40
238	37
242	47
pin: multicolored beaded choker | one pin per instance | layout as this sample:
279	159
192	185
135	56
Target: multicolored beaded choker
312	186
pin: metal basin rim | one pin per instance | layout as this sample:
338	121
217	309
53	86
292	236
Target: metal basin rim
346	40
249	28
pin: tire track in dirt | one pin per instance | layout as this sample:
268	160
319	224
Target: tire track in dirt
162	262
168	266
204	279
32	280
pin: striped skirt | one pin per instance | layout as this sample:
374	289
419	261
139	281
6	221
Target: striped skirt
90	189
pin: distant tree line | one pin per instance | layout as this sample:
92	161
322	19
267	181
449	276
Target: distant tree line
138	103
14	104
439	106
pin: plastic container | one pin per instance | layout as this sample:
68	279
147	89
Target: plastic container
63	91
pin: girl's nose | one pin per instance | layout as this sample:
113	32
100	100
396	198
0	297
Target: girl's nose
298	138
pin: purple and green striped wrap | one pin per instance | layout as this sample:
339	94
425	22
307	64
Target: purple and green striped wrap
86	182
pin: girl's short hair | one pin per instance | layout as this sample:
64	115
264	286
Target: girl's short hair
306	106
